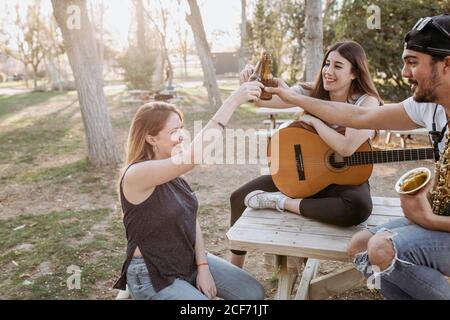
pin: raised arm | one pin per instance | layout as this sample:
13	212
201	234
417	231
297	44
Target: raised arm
344	144
275	102
390	116
144	176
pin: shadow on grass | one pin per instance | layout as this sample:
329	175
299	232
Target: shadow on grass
54	242
16	103
56	174
49	135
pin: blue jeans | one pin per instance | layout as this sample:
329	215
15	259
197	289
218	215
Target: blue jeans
231	282
422	258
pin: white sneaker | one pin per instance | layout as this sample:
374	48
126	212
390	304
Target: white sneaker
265	200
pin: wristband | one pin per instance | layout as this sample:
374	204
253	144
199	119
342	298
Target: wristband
202	264
219	123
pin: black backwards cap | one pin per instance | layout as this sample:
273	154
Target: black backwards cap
430	35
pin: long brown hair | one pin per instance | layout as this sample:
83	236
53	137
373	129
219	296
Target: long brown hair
150	119
362	84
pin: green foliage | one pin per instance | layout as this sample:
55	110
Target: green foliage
56	174
383	46
138	68
278	28
11	104
293	20
260	32
58	239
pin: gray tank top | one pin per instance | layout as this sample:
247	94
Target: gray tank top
164	229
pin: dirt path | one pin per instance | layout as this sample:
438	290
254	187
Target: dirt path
96	188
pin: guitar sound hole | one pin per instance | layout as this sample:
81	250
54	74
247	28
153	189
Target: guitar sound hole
335	163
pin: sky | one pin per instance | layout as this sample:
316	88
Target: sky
217	15
220	17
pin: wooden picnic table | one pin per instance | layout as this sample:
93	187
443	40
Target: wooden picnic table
274	112
138	92
404	135
142	95
136	97
300	243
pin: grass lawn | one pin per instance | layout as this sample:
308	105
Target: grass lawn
57	211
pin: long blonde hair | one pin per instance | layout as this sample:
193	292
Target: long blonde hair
150	119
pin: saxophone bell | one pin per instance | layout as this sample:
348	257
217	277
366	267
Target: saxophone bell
413	180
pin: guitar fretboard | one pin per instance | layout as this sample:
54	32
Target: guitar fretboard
383	156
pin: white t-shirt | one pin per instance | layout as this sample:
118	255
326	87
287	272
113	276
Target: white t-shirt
422	114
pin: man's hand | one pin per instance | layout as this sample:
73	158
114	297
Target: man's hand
283	91
248	91
205	282
417	208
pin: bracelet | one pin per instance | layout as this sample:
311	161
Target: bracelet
202	264
219	123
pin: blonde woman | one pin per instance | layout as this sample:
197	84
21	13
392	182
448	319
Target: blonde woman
166	258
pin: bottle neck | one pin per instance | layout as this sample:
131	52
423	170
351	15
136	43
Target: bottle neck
266	69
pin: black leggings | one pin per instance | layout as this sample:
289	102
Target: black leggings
338	205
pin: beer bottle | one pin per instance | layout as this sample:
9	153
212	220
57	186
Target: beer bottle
267	78
256	75
263	74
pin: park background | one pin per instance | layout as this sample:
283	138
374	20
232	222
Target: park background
68	73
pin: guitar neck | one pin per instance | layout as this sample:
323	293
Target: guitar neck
385	156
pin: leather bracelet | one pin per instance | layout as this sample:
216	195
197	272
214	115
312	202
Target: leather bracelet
202	264
219	123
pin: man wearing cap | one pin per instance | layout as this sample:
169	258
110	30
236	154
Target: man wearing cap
410	256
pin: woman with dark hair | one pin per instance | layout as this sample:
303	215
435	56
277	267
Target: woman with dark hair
344	77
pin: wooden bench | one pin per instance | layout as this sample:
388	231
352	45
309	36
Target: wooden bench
137	98
131	102
404	135
270	123
272	113
299	243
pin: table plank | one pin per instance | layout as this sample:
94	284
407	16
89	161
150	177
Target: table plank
289	234
292	110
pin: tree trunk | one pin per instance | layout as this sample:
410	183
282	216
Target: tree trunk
158	75
183	49
34	68
314	39
101	46
209	73
83	57
26	75
242	52
98	12
169	70
186	75
53	74
141	43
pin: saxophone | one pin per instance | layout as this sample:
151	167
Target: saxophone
439	196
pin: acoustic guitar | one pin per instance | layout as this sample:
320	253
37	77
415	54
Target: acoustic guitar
302	164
